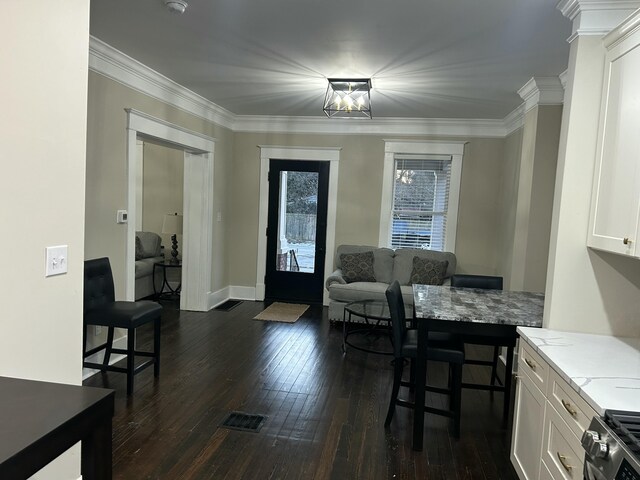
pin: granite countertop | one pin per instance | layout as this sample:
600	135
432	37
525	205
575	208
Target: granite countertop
604	370
476	305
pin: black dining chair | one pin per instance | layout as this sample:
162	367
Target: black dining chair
100	308
485	282
440	349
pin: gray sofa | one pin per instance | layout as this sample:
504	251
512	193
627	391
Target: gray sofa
148	252
388	265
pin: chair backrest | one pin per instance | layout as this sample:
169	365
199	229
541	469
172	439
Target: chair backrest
476	281
98	283
398	318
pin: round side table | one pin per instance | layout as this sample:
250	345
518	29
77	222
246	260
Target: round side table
165	265
377	322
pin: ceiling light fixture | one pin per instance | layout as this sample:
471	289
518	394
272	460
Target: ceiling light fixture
348	98
176	6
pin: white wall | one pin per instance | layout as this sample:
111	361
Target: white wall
43	53
586	291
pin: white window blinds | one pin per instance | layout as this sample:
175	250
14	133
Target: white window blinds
420	201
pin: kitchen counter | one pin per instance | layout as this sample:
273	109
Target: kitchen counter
604	370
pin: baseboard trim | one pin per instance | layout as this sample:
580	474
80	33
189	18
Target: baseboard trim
99	356
218	297
242	293
230	292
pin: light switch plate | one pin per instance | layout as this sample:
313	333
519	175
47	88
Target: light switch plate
121	216
56	260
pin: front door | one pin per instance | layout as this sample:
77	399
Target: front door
296	230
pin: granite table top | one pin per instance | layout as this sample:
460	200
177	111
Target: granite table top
499	307
603	369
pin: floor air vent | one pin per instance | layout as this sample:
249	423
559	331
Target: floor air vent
244	421
228	305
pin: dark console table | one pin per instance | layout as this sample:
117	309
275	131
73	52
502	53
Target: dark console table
41	420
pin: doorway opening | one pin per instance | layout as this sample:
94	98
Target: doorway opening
197	245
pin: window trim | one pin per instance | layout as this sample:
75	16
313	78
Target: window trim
421	147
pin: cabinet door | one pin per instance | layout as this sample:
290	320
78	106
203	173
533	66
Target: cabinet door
561	449
616	192
526	444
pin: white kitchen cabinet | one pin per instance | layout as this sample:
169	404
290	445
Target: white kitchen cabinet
615	202
529	406
561	450
549	419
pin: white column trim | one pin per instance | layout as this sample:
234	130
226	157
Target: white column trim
198	204
542	91
324	154
595	17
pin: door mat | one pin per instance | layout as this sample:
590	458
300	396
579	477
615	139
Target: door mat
282	312
244	421
228	305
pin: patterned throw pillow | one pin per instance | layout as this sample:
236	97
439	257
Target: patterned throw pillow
427	271
357	267
139	249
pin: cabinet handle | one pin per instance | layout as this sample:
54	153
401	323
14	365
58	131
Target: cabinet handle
563	461
532	365
567	406
626	241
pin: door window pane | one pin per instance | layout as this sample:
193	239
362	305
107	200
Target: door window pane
296	249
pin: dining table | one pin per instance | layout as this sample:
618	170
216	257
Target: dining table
494	314
41	420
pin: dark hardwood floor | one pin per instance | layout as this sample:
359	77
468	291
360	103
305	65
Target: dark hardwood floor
325	410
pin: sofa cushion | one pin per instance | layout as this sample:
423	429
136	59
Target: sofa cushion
382	259
151	243
139	249
403	262
427	271
357	267
352	292
144	267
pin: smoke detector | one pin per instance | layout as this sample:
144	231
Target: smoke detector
175	6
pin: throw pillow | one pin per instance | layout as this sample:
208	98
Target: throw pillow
357	267
139	249
427	271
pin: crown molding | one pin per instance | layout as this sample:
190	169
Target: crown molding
563	78
379	126
628	27
595	17
107	61
112	63
541	91
514	120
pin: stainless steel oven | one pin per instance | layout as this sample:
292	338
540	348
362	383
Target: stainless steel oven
612	447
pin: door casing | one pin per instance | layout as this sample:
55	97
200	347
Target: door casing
267	152
197	250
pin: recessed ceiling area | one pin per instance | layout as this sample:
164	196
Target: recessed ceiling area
426	58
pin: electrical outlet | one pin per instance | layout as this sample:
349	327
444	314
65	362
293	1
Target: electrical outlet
98	330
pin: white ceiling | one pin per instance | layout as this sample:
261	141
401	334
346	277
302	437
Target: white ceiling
426	58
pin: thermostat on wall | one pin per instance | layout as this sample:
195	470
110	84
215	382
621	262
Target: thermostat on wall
122	216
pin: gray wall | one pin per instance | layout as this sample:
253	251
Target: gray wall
107	173
163	186
359	197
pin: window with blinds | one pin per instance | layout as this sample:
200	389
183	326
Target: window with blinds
420	201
